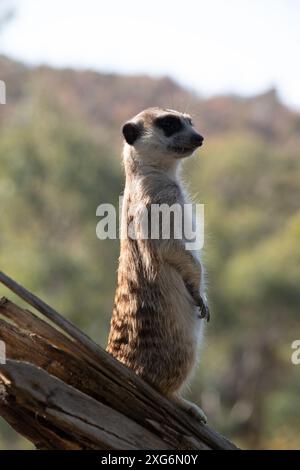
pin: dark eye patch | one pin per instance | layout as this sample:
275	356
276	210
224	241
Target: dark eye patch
170	124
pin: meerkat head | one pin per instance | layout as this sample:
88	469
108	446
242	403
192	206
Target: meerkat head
161	136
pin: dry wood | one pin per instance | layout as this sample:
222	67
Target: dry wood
62	391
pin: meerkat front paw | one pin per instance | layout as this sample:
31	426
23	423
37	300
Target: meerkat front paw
192	409
204	309
199	301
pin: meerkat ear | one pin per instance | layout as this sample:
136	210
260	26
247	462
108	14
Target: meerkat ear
131	132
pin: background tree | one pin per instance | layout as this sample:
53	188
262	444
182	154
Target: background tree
60	158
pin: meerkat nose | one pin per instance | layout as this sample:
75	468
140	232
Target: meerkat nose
197	139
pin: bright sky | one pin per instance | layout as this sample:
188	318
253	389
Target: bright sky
213	46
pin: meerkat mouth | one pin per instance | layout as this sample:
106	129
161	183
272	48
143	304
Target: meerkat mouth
181	150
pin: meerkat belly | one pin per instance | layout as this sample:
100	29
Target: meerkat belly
157	332
176	336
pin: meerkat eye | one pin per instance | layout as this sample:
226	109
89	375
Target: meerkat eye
169	124
189	121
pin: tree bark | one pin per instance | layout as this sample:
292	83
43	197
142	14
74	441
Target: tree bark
62	391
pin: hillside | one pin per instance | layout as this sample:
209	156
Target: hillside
60	158
106	100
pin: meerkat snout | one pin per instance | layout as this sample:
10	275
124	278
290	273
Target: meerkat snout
197	139
162	131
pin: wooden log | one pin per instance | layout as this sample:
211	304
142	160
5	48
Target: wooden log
68	413
54	354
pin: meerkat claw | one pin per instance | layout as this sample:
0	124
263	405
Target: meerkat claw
191	409
197	413
201	304
204	310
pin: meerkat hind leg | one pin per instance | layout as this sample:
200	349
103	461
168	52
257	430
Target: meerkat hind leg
192	409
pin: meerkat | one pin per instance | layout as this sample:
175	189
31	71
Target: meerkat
160	303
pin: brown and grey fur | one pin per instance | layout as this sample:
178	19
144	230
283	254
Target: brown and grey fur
156	325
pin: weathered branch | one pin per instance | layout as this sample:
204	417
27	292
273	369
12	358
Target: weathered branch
62	391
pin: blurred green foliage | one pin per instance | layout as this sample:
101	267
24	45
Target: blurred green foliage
59	159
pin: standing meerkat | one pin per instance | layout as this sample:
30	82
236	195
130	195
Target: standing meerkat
157	320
